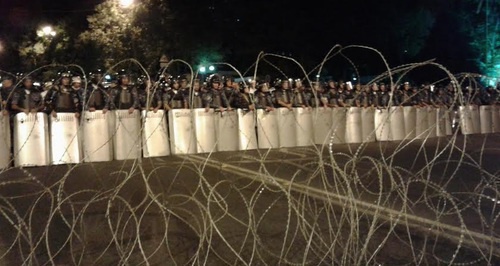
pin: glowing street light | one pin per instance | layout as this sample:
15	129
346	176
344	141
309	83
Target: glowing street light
46	31
203	69
126	3
211	68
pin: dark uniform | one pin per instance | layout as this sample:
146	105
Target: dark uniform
62	98
283	95
96	97
175	97
27	99
196	95
263	98
6	93
215	97
124	96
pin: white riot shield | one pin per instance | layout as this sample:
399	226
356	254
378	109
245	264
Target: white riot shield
322	122
410	117
353	126
466	124
368	124
126	135
485	114
286	128
431	122
267	129
182	132
495	118
397	118
31	140
4	141
382	125
204	123
441	114
97	142
226	131
337	132
476	119
304	126
155	134
422	125
448	122
247	139
65	139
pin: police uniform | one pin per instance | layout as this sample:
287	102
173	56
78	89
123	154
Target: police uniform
63	99
27	98
123	97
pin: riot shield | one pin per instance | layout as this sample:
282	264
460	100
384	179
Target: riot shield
495	118
64	139
31	140
226	131
155	134
303	126
4	141
382	125
397	121
322	123
368	124
432	121
247	138
182	132
286	128
486	121
126	135
353	125
97	141
205	130
422	125
267	129
410	117
337	131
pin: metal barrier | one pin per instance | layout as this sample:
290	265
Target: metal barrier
97	143
31	140
154	134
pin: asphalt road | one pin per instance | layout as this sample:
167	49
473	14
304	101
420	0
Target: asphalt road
424	202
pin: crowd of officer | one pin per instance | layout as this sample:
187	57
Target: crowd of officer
73	94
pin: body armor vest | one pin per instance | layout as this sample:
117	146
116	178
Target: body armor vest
125	99
197	101
64	102
96	100
216	100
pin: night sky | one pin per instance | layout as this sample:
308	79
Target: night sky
305	30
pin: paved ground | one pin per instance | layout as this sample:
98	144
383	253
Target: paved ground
424	202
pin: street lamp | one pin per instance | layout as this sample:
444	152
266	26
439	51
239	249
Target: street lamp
126	3
46	31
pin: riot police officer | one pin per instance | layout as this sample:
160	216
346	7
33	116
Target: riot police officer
96	97
63	98
244	99
174	97
6	94
196	98
150	97
124	96
215	97
283	94
299	96
27	98
263	97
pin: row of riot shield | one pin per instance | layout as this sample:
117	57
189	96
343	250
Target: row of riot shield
479	119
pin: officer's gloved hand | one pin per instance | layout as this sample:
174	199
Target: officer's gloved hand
91	109
155	110
26	111
130	110
54	114
34	111
5	112
104	110
77	115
